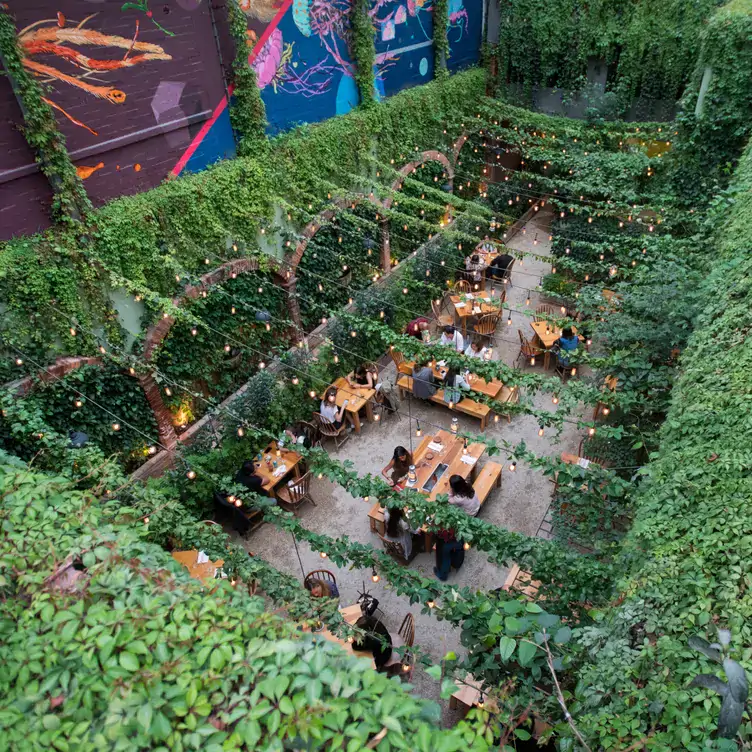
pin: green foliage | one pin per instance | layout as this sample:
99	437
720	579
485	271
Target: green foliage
440	39
363	50
247	111
70	201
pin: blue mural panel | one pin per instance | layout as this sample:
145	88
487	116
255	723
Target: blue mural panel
464	33
302	61
404	47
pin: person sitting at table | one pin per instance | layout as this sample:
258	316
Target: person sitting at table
298	434
476	350
329	408
450	552
363	376
567	343
462	495
416	327
475	265
454	381
398	465
376	640
247	477
320	589
397	529
450	337
424	384
497	269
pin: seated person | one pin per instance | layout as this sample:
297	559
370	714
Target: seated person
450	337
398	530
567	343
476	350
454	381
373	640
298	434
424	384
398	466
363	376
247	477
497	269
320	589
476	266
462	494
329	408
416	328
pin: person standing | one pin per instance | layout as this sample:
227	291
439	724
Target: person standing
450	552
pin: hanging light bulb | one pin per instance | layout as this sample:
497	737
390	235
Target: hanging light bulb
152	449
336	358
527	300
509	319
116	426
532	360
240	431
19	362
512	467
73	331
541	430
374	576
312	394
194	331
295	380
574	371
430	604
233	310
466	546
191	474
323	554
496	418
464	447
168	391
227	348
455	425
418	431
78	403
606	411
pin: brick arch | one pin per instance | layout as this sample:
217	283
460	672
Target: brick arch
312	228
426	156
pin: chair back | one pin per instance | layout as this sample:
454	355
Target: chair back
508	273
325	427
397	357
545	312
436	308
528	349
487	323
462	286
321	574
592	456
312	433
394	549
407	630
298	488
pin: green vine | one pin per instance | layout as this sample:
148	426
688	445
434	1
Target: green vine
364	51
440	38
247	111
41	132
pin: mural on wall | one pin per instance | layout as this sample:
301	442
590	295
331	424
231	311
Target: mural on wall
131	82
464	33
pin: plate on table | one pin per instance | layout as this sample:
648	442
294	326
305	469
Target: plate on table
429	456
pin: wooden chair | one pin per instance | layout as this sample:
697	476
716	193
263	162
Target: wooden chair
462	287
591	456
314	434
328	430
296	493
394	549
546	312
407	630
486	324
324	575
400	362
404	638
442	320
527	349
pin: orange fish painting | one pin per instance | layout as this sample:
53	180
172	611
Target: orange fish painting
87	172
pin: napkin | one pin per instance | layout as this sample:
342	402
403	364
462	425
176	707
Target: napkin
582	462
281	470
488	300
459	305
202	558
468	460
433	446
469	296
441	363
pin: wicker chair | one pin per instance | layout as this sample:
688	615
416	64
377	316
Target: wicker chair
442	320
486	324
462	287
328	430
395	550
546	312
592	457
296	493
528	350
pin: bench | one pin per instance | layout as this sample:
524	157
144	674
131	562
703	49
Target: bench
465	405
489	477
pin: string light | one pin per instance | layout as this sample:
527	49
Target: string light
466	546
512	467
191	474
375	577
418	431
430	604
541	430
19	362
116	426
323	554
78	403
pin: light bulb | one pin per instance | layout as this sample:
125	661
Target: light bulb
532	360
375	577
78	403
240	431
591	431
152	450
509	320
146	520
295	380
353	333
191	474
496	418
336	358
102	350
19	362
232	310
430	604
116	426
574	371
606	411
466	546
312	394
512	467
323	554
227	348
540	431
73	331
555	400
194	332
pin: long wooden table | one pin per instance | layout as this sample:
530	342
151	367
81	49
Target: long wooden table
286	457
358	397
189	559
477	305
350	614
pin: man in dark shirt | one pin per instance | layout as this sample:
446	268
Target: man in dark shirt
372	640
424	386
247	477
497	269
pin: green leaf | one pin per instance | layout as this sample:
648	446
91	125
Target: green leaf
522	734
506	647
563	636
434	672
144	716
128	661
526	651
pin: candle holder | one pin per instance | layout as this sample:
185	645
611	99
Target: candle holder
412	477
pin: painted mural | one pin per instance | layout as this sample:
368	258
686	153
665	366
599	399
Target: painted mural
464	33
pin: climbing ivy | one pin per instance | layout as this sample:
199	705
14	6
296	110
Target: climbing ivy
440	38
364	51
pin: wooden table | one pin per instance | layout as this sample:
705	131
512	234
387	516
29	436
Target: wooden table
287	457
358	396
350	614
547	336
465	312
189	559
477	384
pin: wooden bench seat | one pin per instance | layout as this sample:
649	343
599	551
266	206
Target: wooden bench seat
465	405
488	478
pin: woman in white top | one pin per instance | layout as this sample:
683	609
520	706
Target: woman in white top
476	266
476	350
329	408
452	338
462	494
